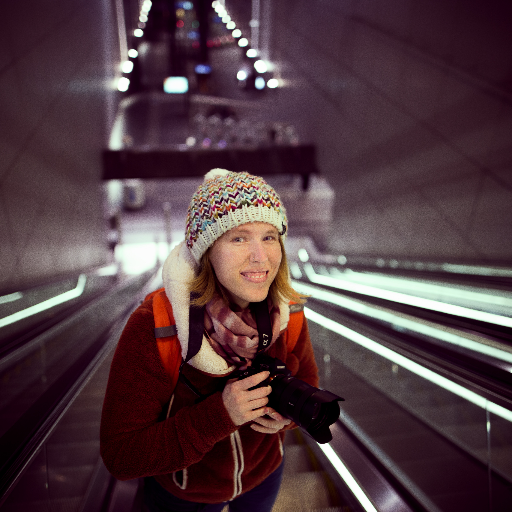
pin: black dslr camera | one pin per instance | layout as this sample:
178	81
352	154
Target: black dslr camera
311	408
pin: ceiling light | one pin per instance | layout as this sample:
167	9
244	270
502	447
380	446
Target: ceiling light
260	66
176	85
127	66
259	83
123	84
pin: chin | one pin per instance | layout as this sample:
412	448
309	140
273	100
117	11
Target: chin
255	296
259	296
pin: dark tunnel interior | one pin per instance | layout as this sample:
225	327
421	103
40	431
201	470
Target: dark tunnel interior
385	127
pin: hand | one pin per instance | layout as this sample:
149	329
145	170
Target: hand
270	424
245	405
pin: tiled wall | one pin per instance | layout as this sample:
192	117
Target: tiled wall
410	104
57	63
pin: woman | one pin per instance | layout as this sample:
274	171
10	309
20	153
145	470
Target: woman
228	446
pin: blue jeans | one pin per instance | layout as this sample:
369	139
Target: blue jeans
259	499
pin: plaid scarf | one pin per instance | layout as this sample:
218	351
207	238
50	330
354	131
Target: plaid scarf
232	331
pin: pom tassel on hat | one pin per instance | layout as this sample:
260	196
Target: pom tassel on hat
214	173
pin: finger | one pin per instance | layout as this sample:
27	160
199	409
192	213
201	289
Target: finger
255	414
257	404
277	416
273	425
235	388
241	405
263	421
263	430
258	393
252	381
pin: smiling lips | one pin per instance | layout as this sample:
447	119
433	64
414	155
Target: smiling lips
255	277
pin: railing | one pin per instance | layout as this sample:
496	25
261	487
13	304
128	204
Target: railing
428	396
41	382
423	415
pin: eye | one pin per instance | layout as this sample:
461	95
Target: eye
237	239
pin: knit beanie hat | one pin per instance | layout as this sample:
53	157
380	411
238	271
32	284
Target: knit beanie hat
226	200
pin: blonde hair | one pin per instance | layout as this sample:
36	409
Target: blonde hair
205	284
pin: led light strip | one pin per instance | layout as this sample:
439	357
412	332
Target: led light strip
477	271
347	477
47	304
411	325
11	297
417	285
403	298
410	365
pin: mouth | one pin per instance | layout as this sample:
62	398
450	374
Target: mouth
255	276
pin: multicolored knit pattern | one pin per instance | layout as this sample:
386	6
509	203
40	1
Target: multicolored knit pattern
226	200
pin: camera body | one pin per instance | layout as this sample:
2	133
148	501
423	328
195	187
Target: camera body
264	363
310	408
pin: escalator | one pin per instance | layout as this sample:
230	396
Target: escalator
428	386
436	443
27	313
405	441
51	398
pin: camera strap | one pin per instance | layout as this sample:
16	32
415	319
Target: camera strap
262	317
195	329
195	340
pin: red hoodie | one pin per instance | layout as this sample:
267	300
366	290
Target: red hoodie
197	454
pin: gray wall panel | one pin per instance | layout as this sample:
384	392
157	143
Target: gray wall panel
410	104
56	82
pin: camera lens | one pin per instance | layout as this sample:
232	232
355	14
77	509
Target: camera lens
311	408
315	412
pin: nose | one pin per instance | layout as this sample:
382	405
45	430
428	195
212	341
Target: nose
258	252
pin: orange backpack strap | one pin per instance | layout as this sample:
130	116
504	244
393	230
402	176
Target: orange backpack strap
152	294
294	325
166	335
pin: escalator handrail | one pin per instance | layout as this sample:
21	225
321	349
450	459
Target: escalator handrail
474	375
14	347
379	484
53	280
22	441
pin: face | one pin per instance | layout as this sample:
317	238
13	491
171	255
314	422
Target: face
246	260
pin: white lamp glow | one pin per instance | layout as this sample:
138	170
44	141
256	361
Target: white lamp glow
123	84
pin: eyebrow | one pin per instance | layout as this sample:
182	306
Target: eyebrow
272	231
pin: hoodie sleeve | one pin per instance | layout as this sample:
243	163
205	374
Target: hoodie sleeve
133	442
